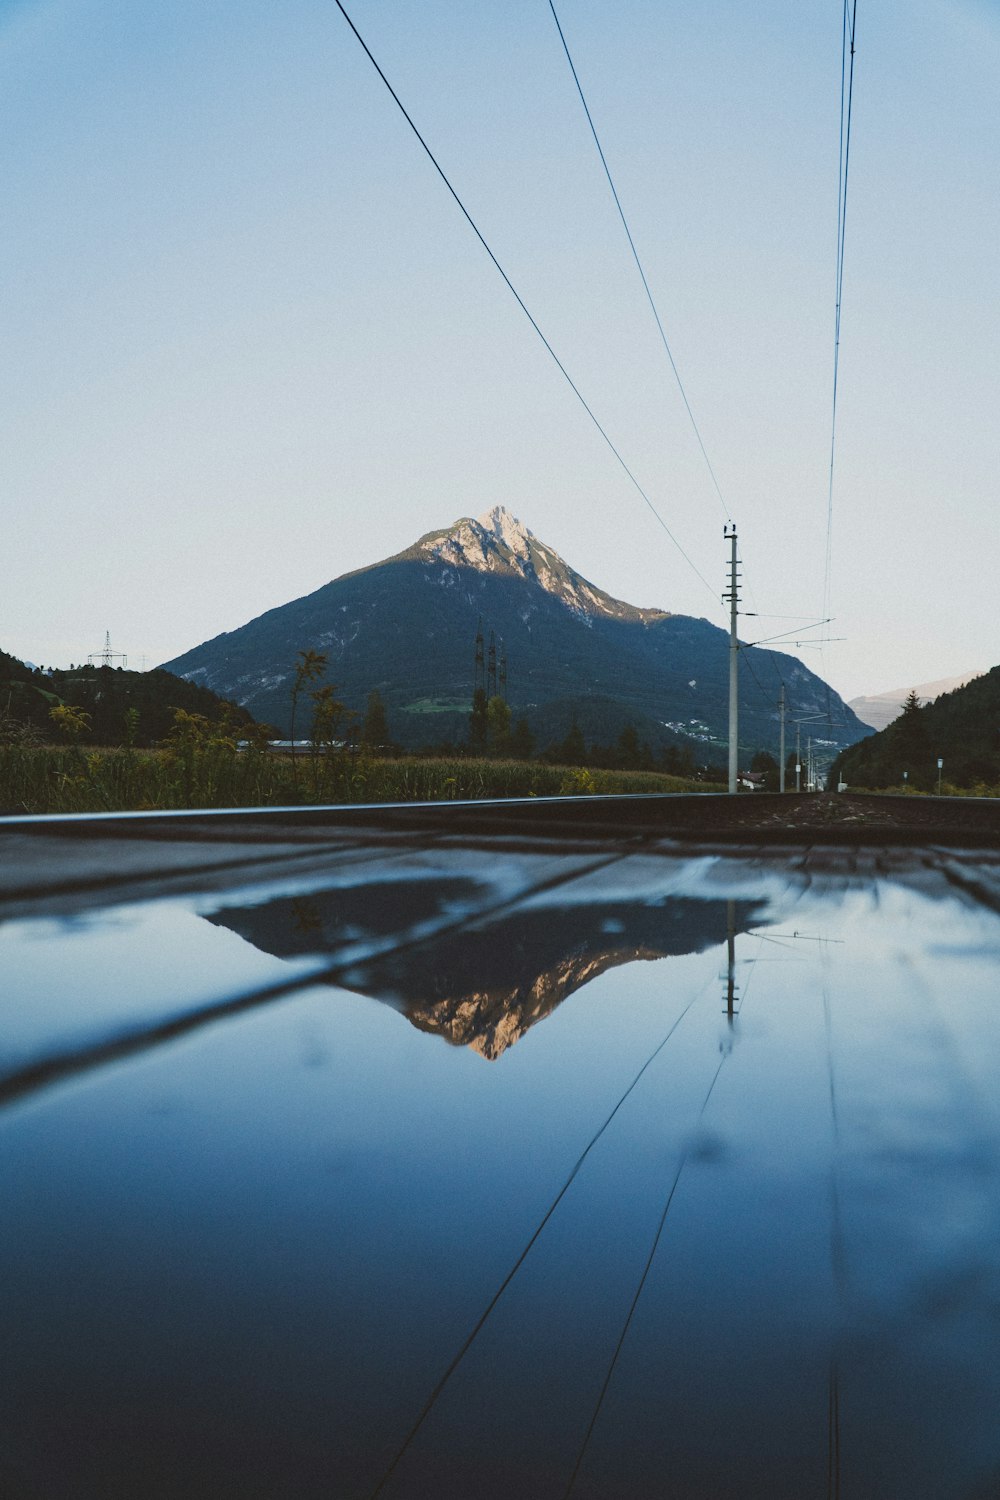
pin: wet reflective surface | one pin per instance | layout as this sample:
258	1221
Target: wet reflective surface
457	1171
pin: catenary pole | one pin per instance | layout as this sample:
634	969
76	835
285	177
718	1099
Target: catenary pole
734	646
781	763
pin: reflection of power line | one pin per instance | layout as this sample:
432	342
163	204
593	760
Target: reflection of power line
833	1435
642	1282
838	1255
799	937
663	1219
463	1351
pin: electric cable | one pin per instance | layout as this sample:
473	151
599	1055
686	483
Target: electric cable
638	262
520	300
846	103
638	1291
650	1258
463	1351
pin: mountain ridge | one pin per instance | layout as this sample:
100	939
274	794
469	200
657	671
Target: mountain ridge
880	709
960	728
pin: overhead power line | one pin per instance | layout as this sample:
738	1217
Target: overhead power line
846	102
649	294
521	303
638	262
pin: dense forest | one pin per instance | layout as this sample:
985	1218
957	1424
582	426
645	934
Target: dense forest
961	728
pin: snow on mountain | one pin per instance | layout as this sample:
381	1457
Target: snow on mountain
498	542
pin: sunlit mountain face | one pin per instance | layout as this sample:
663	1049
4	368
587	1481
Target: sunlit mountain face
481	983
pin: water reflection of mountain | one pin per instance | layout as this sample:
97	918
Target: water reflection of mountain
485	982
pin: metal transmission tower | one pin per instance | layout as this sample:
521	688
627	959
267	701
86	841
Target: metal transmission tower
480	681
491	668
503	670
733	599
107	657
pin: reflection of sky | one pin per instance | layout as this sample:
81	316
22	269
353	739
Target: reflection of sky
240	1262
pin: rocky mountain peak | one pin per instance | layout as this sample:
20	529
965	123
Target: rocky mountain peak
497	542
507	530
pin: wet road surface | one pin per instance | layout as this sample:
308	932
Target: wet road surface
432	1168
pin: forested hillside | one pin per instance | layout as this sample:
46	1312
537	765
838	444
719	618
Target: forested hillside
961	728
107	695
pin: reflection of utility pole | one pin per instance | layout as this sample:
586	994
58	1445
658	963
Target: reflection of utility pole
731	960
781	763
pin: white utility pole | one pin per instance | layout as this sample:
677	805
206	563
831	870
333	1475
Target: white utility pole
734	646
798	758
781	763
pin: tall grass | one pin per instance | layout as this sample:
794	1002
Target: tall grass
75	779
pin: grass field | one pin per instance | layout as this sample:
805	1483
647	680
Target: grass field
76	779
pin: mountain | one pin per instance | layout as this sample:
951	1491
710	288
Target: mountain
962	728
880	709
407	627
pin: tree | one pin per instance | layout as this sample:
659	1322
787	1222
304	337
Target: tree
375	730
628	748
522	741
310	665
328	720
72	722
909	745
573	751
131	725
478	723
497	726
677	761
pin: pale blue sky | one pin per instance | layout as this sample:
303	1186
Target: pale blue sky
249	343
